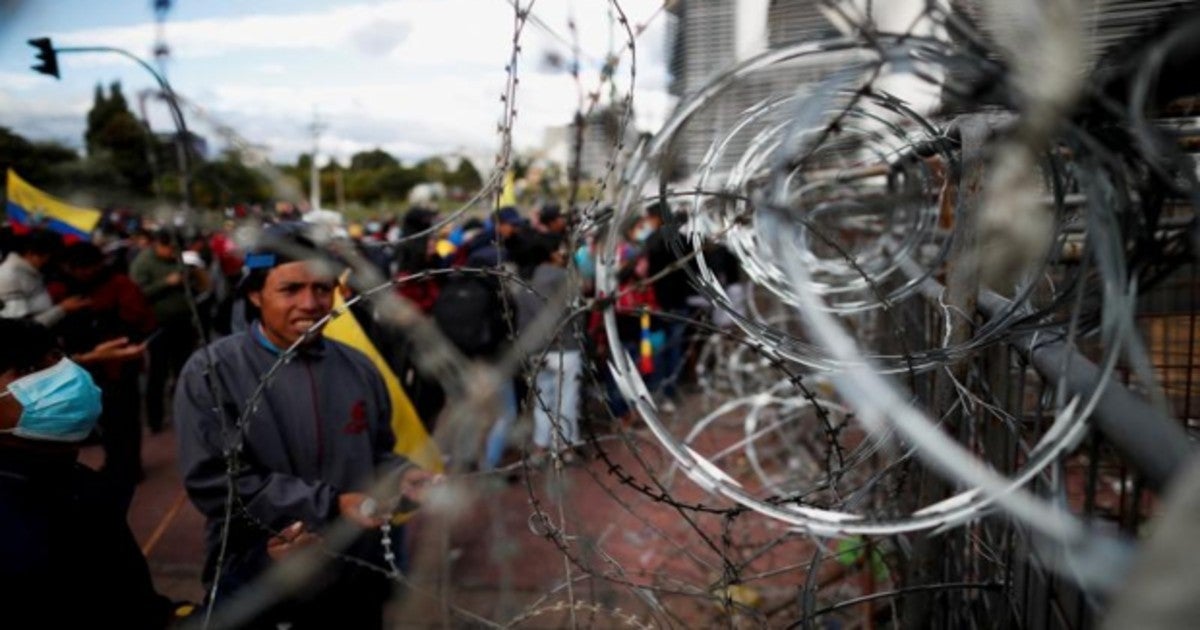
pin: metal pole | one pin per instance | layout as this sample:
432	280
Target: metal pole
181	130
1155	444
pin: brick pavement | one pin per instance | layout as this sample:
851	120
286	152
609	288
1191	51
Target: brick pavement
490	561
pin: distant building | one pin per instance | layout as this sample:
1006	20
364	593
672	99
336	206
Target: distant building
196	143
597	148
711	37
602	148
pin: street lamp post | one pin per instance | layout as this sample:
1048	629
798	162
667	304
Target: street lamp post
47	53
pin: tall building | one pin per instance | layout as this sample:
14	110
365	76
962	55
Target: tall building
707	38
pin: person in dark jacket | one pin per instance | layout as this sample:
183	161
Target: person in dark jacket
312	446
117	310
67	557
664	249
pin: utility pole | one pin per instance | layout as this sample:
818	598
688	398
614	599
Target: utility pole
314	188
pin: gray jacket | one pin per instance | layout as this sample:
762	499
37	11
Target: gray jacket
23	293
549	280
322	427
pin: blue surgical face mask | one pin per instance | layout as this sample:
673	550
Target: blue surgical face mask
60	403
643	232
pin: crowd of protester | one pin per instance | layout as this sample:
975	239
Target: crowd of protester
129	308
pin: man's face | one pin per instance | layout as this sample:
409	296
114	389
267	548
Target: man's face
557	225
506	229
292	299
164	251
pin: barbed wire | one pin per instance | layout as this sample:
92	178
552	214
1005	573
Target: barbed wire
856	366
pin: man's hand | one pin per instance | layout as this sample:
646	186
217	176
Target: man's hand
173	278
415	482
360	508
118	349
294	537
73	303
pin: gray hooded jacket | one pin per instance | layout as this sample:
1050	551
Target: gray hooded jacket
322	427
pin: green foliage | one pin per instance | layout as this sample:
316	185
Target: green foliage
395	182
35	162
228	181
92	173
853	551
465	176
115	135
125	163
372	160
433	169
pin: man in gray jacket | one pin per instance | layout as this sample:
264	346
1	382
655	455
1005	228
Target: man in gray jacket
22	288
311	447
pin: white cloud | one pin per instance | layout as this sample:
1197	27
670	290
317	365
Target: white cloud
22	80
417	77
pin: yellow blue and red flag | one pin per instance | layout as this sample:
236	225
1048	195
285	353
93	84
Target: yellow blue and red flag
646	347
29	206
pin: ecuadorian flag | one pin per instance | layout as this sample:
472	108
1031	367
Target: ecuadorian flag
29	206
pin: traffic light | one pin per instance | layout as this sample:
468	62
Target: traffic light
47	56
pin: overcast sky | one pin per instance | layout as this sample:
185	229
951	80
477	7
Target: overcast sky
415	77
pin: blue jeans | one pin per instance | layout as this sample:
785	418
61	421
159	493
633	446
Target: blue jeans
556	404
616	402
497	440
669	362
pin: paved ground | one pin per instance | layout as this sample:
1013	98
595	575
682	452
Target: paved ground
166	525
489	554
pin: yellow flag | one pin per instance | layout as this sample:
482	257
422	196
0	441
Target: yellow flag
412	440
508	195
29	206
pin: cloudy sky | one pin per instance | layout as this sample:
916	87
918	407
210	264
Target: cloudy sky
415	77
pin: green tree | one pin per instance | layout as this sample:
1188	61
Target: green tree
374	159
227	181
363	186
34	161
395	182
115	135
433	169
92	174
466	176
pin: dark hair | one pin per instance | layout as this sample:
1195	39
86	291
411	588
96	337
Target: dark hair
26	343
79	255
417	219
550	212
165	236
279	244
39	241
657	210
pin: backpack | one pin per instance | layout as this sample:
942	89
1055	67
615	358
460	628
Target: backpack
469	312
